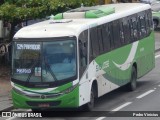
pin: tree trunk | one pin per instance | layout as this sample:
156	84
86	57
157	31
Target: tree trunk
12	31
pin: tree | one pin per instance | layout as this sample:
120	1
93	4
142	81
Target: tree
17	11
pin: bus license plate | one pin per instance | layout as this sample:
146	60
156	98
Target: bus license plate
43	105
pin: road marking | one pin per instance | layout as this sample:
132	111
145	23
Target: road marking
144	94
122	106
100	118
159	85
157	56
155	88
116	109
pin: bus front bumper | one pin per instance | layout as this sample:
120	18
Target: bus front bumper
70	100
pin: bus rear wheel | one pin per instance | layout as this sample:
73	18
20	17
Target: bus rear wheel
35	109
155	23
89	106
133	80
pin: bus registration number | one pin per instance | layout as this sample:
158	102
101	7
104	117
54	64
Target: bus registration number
44	105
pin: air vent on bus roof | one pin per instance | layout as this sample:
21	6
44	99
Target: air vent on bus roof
60	21
96	12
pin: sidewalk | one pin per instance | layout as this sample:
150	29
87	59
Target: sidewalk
5	85
157	39
5	88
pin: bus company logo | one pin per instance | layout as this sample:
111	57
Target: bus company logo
103	66
6	114
43	96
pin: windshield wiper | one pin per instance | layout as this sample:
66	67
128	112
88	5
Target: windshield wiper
48	66
50	70
32	69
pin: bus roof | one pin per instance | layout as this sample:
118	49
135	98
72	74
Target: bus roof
73	27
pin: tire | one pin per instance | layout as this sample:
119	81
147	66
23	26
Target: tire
89	106
35	110
133	80
155	23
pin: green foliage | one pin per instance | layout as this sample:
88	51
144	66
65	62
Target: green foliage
19	10
16	11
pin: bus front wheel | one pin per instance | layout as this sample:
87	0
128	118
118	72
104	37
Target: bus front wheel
89	106
133	80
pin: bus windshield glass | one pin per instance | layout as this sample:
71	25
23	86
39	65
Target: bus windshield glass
44	61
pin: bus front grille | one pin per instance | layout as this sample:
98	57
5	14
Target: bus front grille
39	104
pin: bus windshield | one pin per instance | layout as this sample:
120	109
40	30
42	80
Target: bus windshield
44	61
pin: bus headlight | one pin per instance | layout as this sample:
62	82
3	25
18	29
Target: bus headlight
18	91
70	89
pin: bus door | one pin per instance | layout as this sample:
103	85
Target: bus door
83	52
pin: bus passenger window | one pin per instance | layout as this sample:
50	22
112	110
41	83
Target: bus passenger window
126	30
94	42
100	38
116	34
83	54
142	26
135	32
106	39
147	16
122	33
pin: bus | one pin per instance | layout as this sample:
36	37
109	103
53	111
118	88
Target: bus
80	55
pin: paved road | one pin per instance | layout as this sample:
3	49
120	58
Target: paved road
157	38
144	98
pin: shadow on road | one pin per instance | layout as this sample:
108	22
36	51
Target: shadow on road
157	29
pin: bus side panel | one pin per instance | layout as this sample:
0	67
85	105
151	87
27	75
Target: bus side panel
146	55
117	65
94	72
86	82
106	71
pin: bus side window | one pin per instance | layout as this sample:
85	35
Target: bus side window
150	19
106	38
131	30
116	33
121	32
142	24
135	28
100	39
148	25
94	42
83	51
110	35
126	30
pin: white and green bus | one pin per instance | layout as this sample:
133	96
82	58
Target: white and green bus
81	55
